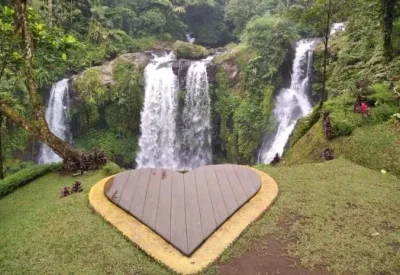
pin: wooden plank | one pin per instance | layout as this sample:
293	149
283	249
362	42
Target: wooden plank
138	201
234	181
178	216
193	218
226	190
152	197
246	178
117	187
206	207
256	180
129	191
220	212
163	224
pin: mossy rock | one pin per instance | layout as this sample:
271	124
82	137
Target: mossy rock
189	51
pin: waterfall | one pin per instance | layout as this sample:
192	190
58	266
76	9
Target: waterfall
170	138
157	144
57	119
291	104
196	129
337	27
189	38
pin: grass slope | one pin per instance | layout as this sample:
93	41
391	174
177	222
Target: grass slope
373	146
334	208
44	234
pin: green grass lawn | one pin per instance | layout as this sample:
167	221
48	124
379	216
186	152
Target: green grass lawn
40	233
334	210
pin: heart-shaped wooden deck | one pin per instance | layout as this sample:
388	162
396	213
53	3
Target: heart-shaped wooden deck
184	209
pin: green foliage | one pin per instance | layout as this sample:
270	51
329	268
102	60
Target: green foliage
123	114
111	168
383	112
343	117
12	166
224	105
248	122
242	11
91	88
13	182
304	125
270	37
242	118
380	93
114	144
189	51
206	20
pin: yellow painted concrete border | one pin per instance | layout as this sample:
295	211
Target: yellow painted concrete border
163	252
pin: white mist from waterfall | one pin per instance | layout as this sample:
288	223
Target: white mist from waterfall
57	119
291	104
196	147
157	143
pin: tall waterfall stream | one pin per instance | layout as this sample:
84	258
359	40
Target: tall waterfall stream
291	104
57	119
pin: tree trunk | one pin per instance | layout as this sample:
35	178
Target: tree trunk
1	148
56	144
50	12
39	128
326	53
388	9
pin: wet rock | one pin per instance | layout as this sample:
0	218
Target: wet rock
139	60
181	68
212	72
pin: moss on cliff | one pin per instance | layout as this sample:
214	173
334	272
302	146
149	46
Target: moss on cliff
242	110
189	51
373	146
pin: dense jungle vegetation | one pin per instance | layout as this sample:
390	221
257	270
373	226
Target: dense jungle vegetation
69	37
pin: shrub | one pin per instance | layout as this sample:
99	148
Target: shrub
189	51
11	183
12	166
304	125
343	128
115	145
381	93
112	169
383	112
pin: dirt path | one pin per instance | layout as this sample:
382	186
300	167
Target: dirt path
270	260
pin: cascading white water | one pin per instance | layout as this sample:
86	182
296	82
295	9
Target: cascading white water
337	27
189	38
291	104
164	143
158	145
196	129
57	119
